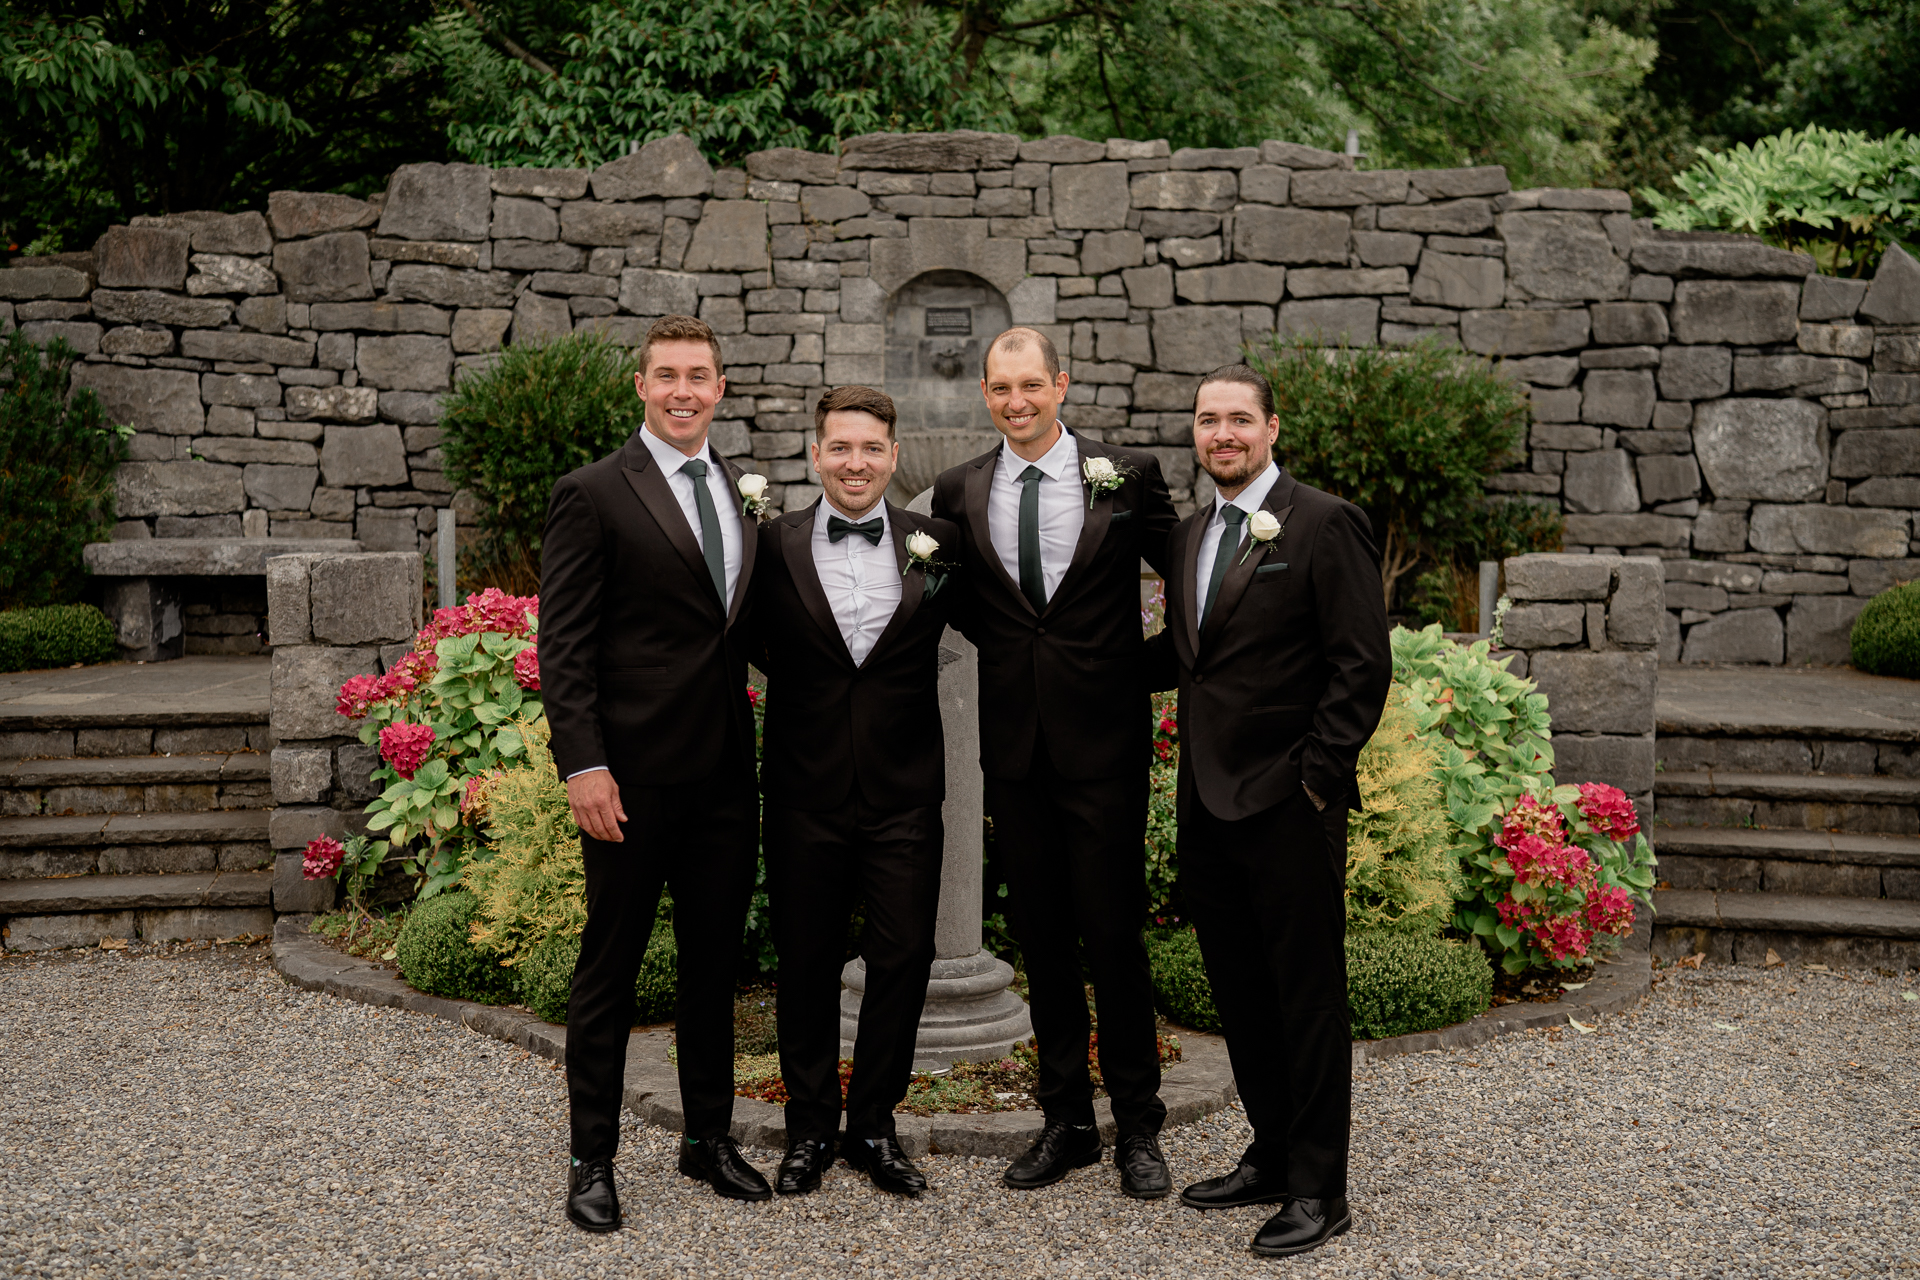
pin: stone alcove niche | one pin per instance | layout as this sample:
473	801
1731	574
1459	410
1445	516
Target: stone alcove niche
938	326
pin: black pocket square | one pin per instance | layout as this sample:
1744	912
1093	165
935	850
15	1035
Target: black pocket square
1118	516
933	584
1271	568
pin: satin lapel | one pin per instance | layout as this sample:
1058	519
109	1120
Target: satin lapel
979	485
796	545
1093	530
749	534
1240	572
913	580
649	484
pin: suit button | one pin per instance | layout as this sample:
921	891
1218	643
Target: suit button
1198	678
1042	631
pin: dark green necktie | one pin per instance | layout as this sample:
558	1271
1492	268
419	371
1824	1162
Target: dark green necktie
710	544
1033	578
1229	543
838	528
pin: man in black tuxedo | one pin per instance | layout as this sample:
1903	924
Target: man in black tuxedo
646	565
1053	526
1276	624
850	613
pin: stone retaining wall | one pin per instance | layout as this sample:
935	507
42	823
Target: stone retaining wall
1699	398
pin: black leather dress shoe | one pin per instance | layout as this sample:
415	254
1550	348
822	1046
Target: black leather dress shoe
718	1161
1143	1170
1302	1224
1060	1149
885	1163
592	1203
1245	1185
800	1171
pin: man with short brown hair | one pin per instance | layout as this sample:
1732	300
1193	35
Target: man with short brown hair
646	564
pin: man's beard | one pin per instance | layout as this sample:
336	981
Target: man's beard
1243	473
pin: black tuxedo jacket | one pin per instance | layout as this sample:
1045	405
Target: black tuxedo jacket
1073	672
642	668
830	723
1288	680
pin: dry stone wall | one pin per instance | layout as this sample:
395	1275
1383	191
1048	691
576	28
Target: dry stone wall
1701	399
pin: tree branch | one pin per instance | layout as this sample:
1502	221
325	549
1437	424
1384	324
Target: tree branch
515	50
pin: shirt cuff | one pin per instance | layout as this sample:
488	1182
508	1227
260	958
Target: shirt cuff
598	768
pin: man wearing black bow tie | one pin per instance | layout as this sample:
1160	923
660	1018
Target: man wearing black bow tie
854	770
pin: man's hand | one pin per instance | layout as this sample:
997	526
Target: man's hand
595	799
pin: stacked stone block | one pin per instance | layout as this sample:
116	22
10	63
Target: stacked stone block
331	617
1700	398
1590	626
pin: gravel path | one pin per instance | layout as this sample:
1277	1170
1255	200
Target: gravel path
187	1113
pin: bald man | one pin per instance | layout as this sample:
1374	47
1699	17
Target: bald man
1053	528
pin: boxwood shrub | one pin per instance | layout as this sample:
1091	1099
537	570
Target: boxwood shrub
1397	982
436	956
55	636
544	979
1886	635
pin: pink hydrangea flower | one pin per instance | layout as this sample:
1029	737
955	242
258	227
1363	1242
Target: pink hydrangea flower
323	857
1608	811
405	746
1529	817
526	668
1610	910
356	695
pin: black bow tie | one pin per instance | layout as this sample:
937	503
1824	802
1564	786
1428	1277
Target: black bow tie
871	530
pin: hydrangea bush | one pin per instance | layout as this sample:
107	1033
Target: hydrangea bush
446	716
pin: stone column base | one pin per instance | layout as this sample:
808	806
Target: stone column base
146	618
971	1016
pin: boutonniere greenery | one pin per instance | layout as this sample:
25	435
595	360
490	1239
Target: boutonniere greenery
921	549
753	494
1262	527
1103	475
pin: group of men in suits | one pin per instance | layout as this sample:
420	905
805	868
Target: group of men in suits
661	582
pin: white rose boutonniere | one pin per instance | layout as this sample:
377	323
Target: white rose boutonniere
1262	526
1103	476
921	548
753	493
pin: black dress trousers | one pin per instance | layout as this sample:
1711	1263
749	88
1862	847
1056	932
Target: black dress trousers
818	863
1268	897
1076	878
699	841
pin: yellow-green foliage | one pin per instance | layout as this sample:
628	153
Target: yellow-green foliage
1401	872
533	887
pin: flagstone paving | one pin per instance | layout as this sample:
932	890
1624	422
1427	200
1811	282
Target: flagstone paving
178	1112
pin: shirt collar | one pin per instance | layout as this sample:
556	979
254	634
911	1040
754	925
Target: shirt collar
1250	498
668	458
826	509
1053	463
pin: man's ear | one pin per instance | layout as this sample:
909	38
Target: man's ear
640	384
813	452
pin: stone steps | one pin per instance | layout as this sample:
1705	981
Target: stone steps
134	784
76	911
1740	928
1817	863
133	843
1799	801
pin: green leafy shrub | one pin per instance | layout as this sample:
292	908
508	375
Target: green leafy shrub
436	955
543	979
1399	982
1841	197
58	635
512	429
57	458
1408	436
1886	635
1401	869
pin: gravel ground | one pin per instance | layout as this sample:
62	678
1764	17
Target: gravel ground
182	1112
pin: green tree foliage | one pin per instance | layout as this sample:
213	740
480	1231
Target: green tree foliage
1408	436
514	428
57	458
1842	197
137	106
736	77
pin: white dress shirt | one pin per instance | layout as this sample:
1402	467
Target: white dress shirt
670	460
1063	508
862	580
1248	500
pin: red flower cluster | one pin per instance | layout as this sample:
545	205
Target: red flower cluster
323	857
361	694
1561	937
1610	910
405	746
1608	811
526	668
1535	860
490	610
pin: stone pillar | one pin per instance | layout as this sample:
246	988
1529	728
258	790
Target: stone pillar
971	1015
146	618
328	617
1589	627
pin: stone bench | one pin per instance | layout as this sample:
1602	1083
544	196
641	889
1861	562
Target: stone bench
143	588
